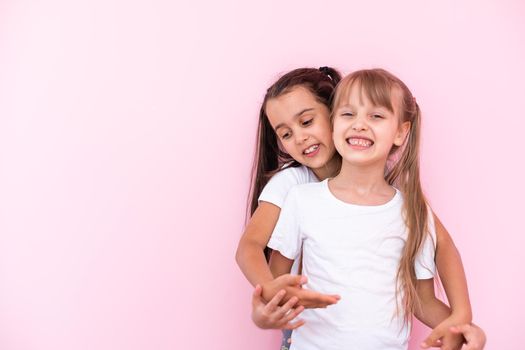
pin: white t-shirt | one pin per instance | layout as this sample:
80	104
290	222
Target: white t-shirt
353	251
277	188
280	184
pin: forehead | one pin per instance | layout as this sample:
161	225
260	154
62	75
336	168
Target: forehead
379	94
287	105
296	95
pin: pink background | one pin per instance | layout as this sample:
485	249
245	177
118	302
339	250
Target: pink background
126	138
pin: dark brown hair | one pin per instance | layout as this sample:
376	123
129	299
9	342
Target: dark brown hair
269	157
377	85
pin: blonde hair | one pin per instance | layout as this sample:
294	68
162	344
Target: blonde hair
403	172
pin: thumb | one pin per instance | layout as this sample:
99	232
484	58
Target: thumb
294	280
433	340
460	328
257	295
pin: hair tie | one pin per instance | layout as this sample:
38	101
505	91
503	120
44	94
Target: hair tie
325	70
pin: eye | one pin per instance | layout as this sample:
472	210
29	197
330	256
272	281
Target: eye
347	114
286	135
377	116
307	122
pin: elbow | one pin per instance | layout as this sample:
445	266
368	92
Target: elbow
238	254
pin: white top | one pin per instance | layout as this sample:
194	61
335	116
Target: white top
280	184
354	251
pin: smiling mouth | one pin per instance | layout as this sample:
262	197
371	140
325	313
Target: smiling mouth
359	142
311	149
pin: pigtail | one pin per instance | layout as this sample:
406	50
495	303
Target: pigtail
267	160
405	175
269	157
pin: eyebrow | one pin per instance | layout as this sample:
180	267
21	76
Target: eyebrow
295	116
348	105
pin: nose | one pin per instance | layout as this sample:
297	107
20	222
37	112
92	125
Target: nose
359	125
301	136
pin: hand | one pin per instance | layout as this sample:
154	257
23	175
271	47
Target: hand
292	284
473	334
442	337
273	316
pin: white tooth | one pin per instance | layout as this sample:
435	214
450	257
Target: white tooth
311	149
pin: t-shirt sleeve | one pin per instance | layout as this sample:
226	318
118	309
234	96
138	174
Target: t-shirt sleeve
286	236
279	185
425	264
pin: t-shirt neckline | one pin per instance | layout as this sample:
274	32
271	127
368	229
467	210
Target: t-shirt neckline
392	201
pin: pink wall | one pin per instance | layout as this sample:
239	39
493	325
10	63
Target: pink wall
126	138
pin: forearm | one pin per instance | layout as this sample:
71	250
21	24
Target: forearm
250	251
431	311
252	262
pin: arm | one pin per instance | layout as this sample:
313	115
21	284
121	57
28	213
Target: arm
250	251
250	258
432	311
435	314
454	282
452	275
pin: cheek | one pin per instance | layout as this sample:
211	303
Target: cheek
287	147
338	129
338	136
290	149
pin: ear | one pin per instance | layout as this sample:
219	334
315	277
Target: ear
402	133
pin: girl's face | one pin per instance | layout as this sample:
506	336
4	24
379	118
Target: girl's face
302	125
365	133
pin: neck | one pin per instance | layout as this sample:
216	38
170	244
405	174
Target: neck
362	178
329	169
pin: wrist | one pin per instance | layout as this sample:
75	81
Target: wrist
461	316
269	289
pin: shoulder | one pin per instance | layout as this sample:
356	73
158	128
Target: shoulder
282	182
308	189
297	175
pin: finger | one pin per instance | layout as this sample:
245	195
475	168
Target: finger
257	296
474	336
274	302
293	280
427	344
283	310
311	299
293	314
294	325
